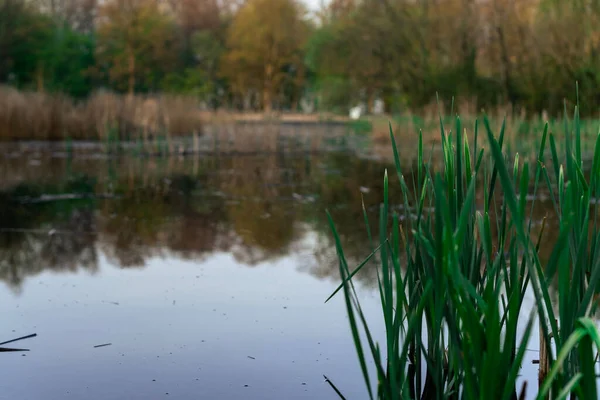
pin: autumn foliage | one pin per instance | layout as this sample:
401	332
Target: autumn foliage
283	55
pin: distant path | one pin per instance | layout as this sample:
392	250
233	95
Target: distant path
284	117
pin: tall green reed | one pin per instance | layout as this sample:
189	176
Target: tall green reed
452	282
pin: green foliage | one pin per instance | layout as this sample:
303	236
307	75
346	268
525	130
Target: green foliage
265	41
346	62
68	62
136	44
336	94
207	50
24	39
190	82
44	54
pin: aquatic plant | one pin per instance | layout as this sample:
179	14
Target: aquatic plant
452	282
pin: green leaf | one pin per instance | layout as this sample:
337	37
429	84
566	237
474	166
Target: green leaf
349	307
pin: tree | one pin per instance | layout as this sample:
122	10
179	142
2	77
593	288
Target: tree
79	15
264	41
363	52
193	16
136	43
68	62
207	50
24	37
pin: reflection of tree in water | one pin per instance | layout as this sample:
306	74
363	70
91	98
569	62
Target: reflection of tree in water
131	228
29	245
340	192
257	208
18	258
195	232
159	217
76	247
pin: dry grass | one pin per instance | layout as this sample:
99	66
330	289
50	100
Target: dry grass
428	121
42	116
522	131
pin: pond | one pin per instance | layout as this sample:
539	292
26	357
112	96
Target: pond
207	276
183	277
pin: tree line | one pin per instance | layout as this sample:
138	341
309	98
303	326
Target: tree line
275	55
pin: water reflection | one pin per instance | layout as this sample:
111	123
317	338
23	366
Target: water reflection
258	208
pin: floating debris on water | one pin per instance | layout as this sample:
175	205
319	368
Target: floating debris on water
8	349
20	338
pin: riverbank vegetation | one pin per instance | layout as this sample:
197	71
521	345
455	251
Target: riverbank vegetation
453	280
102	116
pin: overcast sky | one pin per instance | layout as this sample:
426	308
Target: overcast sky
314	5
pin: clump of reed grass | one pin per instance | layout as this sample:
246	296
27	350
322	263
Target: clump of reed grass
452	282
28	115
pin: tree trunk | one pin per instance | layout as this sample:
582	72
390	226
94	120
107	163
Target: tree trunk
131	73
370	100
299	92
387	96
469	50
267	99
506	67
267	95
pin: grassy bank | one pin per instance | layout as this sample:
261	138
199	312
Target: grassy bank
43	116
452	282
519	130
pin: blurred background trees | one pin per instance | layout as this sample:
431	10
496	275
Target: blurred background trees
275	54
265	44
136	44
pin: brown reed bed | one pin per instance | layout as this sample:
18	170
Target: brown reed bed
27	115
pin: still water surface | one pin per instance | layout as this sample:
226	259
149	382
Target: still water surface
206	275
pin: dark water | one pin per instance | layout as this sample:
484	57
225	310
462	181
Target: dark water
206	275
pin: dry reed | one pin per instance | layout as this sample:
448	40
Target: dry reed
42	116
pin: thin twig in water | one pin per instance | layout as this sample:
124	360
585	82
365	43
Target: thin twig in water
334	388
8	349
21	338
102	345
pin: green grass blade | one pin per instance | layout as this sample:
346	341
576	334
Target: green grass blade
554	153
395	150
569	387
486	123
595	172
349	308
354	272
